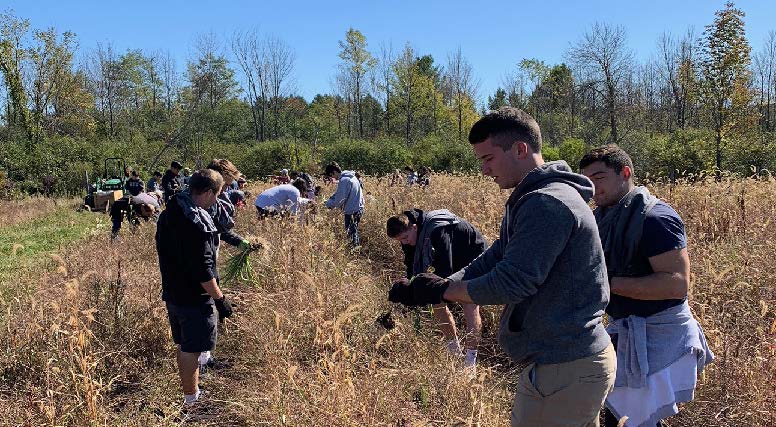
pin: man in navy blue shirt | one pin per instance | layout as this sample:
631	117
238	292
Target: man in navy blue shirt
645	247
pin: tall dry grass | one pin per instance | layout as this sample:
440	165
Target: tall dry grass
91	346
16	211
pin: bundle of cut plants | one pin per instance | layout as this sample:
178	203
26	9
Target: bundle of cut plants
238	268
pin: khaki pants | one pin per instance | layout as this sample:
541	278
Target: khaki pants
564	394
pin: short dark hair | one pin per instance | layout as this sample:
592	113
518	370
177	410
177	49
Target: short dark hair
332	168
135	174
300	185
205	180
176	165
611	155
157	173
396	225
507	125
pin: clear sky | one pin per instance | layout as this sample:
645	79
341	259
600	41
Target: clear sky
494	36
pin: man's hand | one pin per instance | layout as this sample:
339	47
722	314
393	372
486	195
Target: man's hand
244	245
428	288
400	292
224	308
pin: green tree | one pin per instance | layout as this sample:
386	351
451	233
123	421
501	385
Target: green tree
12	53
554	101
498	100
212	81
52	62
358	61
726	75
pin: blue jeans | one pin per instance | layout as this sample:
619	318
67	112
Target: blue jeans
351	226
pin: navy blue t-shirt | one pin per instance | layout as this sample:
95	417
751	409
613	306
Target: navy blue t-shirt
663	231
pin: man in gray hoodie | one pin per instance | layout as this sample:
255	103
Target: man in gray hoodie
349	197
547	268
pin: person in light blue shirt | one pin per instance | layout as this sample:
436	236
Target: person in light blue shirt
280	199
348	197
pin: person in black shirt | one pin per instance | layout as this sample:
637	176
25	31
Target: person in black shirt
187	242
172	182
143	205
645	247
134	185
438	241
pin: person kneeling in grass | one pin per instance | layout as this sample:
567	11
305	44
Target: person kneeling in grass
187	241
441	241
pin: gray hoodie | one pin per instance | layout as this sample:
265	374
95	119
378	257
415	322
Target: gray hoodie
348	196
548	268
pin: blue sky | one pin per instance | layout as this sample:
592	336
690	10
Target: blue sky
493	36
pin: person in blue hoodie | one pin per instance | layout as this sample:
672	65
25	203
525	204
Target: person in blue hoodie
547	268
348	197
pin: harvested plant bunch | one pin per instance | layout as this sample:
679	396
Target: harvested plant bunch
238	267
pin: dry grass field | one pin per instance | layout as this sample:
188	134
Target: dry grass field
89	343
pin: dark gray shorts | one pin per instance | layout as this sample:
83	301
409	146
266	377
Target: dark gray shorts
193	327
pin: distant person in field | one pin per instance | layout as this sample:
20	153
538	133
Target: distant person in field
134	185
187	243
348	197
547	268
308	180
155	183
235	192
281	199
424	176
143	205
172	182
660	346
186	174
283	178
223	210
411	176
395	178
440	242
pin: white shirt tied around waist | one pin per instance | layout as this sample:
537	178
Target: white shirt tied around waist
658	360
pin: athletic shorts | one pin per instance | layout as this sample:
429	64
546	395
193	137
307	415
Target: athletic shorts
195	327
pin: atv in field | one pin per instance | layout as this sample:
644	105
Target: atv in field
105	190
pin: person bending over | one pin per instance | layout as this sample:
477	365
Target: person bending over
440	241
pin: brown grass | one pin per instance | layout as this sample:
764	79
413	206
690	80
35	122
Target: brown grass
17	211
91	346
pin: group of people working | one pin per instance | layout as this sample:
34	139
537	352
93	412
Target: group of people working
557	266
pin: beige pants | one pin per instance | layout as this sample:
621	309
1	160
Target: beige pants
564	394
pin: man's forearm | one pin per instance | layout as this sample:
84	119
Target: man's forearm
211	287
656	286
458	292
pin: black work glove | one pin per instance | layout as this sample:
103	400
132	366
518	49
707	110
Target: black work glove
428	288
401	292
223	307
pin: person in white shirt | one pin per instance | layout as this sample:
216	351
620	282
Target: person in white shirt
284	198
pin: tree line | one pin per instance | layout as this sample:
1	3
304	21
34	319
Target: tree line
703	100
